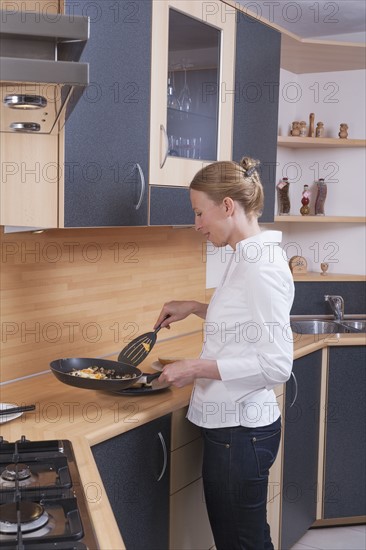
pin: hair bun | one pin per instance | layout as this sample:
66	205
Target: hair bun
249	165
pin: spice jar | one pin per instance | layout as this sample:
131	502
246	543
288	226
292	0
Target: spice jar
283	197
320	197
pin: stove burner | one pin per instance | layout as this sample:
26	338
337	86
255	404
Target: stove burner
32	516
16	471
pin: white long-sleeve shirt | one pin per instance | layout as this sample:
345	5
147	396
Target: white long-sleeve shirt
247	331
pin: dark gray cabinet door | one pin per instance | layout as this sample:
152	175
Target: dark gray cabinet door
300	467
170	206
257	73
107	135
130	466
345	472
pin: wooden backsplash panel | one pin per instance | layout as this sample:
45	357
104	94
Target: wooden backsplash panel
87	292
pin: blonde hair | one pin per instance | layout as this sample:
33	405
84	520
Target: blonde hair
240	182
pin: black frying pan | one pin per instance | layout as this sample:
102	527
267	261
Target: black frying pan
62	368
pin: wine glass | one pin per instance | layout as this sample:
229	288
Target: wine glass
172	99
185	100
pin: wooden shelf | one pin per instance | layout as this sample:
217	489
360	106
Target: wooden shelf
320	219
301	55
312	276
325	143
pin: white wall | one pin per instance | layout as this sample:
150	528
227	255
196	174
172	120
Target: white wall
334	98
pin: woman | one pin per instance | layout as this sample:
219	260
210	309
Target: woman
247	351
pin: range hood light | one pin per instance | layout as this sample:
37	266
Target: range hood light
25	126
21	101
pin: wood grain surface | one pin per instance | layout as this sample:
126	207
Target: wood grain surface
87	292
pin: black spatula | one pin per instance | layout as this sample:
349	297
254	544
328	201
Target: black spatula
136	351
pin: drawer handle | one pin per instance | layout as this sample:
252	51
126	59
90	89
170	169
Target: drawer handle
165	463
142	179
162	129
296	390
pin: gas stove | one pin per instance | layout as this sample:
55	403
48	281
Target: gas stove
42	502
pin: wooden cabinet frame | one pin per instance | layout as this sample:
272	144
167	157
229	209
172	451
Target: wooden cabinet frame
179	171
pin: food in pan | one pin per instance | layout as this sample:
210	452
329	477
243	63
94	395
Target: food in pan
100	373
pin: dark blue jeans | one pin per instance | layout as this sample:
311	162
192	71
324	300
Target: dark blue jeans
236	464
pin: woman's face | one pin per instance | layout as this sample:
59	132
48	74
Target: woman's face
210	218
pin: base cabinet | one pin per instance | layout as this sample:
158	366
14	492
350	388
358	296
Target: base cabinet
134	468
189	524
300	457
345	445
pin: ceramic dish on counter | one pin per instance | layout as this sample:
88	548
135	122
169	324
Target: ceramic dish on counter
162	361
8	417
156	365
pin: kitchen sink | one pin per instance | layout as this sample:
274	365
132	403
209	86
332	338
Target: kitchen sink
320	326
356	324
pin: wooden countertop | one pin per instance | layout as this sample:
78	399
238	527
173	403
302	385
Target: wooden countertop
90	417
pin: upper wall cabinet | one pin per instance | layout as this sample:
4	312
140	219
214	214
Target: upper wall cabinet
107	137
257	73
175	85
193	53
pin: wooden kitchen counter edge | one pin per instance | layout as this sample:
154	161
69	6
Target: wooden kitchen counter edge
90	417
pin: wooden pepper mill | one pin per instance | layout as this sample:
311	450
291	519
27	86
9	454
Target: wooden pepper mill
311	125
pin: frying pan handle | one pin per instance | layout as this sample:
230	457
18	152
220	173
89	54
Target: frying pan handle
150	377
163	444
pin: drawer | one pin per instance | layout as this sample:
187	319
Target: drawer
185	465
189	524
183	431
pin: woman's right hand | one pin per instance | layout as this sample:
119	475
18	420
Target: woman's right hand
176	310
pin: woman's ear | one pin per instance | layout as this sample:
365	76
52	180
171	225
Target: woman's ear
228	205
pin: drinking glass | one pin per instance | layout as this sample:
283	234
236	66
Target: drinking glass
185	100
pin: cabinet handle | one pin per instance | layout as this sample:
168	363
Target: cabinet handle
296	390
165	463
162	129
142	179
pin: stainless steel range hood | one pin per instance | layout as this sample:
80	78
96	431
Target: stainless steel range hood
41	78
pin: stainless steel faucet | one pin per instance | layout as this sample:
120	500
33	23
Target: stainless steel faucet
337	305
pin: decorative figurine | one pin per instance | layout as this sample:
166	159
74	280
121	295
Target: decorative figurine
305	210
320	197
343	133
283	197
295	128
311	125
319	131
324	268
303	129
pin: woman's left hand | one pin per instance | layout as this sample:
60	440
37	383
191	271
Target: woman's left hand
179	373
184	372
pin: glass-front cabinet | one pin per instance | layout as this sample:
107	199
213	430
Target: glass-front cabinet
192	83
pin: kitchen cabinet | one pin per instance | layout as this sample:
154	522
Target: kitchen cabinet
345	441
29	180
300	450
29	164
134	468
107	136
107	169
189	523
193	52
257	74
170	206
